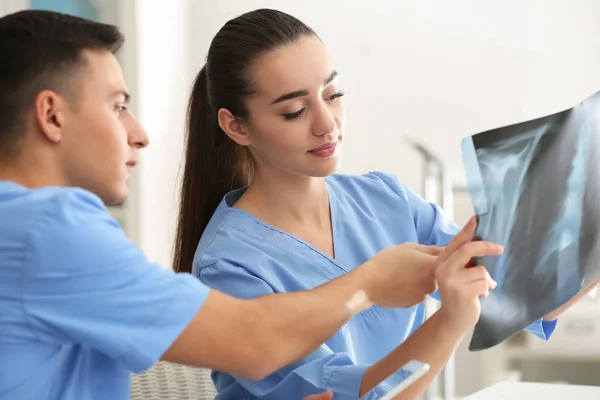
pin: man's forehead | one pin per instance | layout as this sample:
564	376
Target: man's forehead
105	70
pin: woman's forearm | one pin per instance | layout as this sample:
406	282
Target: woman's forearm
433	343
556	313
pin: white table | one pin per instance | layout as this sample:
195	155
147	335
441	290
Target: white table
532	391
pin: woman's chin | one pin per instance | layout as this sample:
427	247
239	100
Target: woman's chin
329	167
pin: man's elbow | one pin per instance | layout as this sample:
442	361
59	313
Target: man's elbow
257	369
254	373
263	360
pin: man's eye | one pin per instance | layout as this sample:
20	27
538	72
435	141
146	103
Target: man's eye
120	108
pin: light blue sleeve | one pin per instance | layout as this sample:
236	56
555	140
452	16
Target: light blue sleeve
320	371
85	283
435	228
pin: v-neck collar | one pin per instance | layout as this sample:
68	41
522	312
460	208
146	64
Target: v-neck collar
334	214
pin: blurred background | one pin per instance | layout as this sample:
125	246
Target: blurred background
432	71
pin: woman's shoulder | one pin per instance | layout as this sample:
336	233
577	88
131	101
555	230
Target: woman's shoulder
369	185
238	238
230	232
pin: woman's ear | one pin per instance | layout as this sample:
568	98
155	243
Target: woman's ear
233	127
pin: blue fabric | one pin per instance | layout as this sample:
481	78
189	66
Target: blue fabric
81	305
244	257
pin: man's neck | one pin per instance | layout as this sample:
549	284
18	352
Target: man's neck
30	173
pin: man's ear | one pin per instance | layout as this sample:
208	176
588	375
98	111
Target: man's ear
49	111
233	127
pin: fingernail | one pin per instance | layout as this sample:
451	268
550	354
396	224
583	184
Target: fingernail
494	284
473	221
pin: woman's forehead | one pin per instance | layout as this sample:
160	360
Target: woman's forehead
302	65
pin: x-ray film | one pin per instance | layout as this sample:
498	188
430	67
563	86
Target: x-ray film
535	190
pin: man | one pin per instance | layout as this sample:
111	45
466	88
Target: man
81	305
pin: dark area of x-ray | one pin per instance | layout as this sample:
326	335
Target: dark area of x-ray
535	190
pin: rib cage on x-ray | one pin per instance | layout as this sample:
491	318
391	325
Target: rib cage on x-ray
534	187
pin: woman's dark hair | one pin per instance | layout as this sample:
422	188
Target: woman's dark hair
215	164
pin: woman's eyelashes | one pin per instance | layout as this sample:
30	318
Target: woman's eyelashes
294	115
336	96
299	113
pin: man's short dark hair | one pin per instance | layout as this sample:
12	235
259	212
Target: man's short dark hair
41	50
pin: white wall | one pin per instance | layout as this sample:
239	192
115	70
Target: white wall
438	70
435	70
11	6
165	73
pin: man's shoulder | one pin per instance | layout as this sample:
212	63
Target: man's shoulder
15	199
43	215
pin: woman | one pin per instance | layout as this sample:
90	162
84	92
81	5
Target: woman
266	128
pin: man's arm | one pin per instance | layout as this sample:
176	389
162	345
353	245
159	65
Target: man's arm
253	338
85	283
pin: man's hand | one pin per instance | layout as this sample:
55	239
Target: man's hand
401	276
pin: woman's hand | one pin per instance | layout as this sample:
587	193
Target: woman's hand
321	396
460	284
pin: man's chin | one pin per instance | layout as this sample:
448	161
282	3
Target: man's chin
116	197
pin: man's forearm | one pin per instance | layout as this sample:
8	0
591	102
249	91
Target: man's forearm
254	338
432	343
289	326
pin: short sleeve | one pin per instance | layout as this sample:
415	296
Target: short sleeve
542	329
233	280
432	225
86	283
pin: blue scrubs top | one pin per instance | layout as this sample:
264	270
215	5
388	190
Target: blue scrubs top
81	306
244	257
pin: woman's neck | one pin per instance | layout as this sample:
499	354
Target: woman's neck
282	199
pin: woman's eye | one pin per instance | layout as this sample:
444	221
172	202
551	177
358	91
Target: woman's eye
335	96
299	113
294	115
